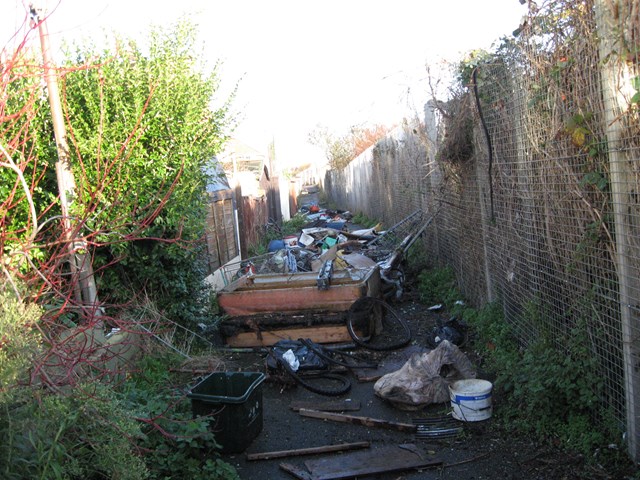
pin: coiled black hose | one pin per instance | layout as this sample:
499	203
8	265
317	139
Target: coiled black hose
344	384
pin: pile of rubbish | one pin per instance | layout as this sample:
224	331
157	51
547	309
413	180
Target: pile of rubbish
327	238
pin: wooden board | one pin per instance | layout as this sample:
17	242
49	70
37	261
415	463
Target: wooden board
297	292
295	471
357	420
326	406
323	334
381	460
307	451
252	302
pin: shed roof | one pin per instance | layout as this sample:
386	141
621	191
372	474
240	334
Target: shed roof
217	177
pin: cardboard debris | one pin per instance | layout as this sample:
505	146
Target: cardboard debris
357	260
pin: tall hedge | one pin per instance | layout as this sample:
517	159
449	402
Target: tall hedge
143	131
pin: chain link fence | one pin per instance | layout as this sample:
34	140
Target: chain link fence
534	167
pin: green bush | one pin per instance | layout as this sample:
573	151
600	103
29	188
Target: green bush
84	434
438	286
177	445
549	387
92	431
19	337
145	134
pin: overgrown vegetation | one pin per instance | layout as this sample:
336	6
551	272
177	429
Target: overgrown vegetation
438	286
20	339
141	429
549	387
141	131
144	134
176	445
363	220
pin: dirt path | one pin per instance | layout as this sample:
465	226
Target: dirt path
480	452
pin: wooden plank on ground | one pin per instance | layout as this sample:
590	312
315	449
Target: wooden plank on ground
394	458
366	421
308	451
347	405
324	334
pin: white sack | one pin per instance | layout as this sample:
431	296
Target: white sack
425	378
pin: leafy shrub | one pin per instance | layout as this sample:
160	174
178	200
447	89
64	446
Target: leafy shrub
91	431
94	432
551	389
438	286
19	338
145	134
87	433
82	433
176	445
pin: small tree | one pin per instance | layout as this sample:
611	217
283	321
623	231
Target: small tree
340	150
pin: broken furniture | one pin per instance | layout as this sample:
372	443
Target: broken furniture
264	309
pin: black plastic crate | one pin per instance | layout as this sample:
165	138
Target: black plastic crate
233	400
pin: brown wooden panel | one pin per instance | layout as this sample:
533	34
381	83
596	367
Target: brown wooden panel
334	334
290	300
369	462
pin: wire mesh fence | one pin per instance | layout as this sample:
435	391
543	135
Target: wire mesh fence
533	165
544	209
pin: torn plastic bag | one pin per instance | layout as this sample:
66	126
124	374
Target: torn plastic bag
320	380
307	357
425	378
453	330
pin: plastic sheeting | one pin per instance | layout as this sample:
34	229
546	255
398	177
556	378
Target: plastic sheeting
425	378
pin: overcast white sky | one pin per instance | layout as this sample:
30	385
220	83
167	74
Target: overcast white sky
302	63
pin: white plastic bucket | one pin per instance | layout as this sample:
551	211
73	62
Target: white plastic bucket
471	400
